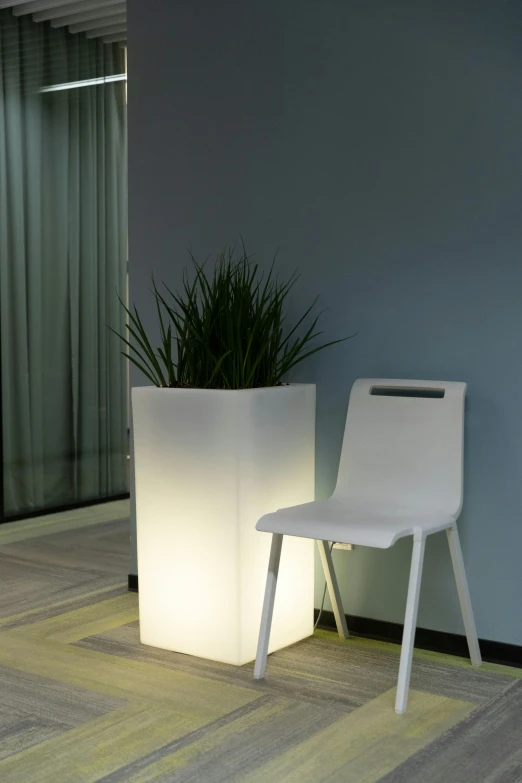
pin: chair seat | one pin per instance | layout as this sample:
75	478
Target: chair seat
344	522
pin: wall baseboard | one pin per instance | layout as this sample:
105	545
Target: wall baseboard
425	639
436	641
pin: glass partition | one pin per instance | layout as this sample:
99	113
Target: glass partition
63	260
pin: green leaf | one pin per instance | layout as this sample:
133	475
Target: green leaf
224	327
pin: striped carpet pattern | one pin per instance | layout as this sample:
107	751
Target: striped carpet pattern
81	700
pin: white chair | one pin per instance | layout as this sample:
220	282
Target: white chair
400	475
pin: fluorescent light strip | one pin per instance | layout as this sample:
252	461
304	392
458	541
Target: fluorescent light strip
119	77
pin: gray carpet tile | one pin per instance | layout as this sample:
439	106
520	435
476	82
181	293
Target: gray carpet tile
82	701
19	731
74	598
484	748
317	670
62	565
35	709
232	746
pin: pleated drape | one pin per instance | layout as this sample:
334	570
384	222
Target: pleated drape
63	248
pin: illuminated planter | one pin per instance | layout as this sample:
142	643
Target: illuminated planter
208	464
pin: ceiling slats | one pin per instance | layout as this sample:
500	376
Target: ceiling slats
71	8
86	16
99	32
93	24
105	19
115	38
33	6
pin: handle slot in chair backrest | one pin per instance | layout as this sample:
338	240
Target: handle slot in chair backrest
403	445
397	391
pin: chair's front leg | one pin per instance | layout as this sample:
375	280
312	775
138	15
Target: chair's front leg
464	597
333	588
410	623
268	606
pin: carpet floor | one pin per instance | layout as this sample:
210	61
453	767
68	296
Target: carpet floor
82	701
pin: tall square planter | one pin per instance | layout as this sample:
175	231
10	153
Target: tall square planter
208	464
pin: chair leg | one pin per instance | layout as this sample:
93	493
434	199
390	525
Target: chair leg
410	623
333	588
268	606
464	597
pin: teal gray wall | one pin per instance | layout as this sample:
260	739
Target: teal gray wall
379	146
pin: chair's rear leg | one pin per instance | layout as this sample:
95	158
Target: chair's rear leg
333	588
268	606
464	597
410	623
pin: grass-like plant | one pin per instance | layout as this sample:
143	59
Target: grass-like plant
224	329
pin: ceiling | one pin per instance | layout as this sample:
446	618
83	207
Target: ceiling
103	19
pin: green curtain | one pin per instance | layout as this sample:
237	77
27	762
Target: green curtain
63	255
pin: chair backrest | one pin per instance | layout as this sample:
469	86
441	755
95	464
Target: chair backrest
403	445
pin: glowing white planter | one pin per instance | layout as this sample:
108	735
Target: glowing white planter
208	464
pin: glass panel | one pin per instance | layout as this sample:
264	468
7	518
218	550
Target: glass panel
63	247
